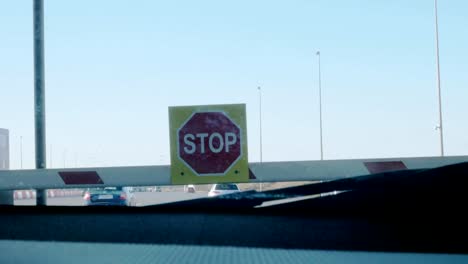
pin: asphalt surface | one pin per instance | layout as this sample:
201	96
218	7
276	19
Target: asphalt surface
142	199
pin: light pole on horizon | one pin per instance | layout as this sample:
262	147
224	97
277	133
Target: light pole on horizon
21	152
320	104
440	127
64	157
260	120
50	156
260	123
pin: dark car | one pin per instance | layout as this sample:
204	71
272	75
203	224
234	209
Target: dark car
122	196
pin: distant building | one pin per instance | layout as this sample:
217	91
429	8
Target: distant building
4	149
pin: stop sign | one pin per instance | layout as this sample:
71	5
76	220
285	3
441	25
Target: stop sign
209	143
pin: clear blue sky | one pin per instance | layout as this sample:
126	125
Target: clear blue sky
114	67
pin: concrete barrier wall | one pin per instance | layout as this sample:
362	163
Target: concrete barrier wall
31	194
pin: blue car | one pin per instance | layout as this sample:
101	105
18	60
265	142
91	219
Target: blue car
117	196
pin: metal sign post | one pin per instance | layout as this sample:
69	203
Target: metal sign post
39	95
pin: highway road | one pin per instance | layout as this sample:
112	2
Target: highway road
148	198
142	199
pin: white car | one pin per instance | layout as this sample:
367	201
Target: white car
223	188
190	188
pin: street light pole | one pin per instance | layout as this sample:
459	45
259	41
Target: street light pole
320	104
64	157
39	95
440	127
50	156
21	152
260	120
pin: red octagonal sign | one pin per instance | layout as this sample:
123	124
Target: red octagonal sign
209	143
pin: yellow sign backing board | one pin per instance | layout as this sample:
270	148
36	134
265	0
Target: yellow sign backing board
208	144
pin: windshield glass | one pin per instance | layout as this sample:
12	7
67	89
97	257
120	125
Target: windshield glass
264	94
